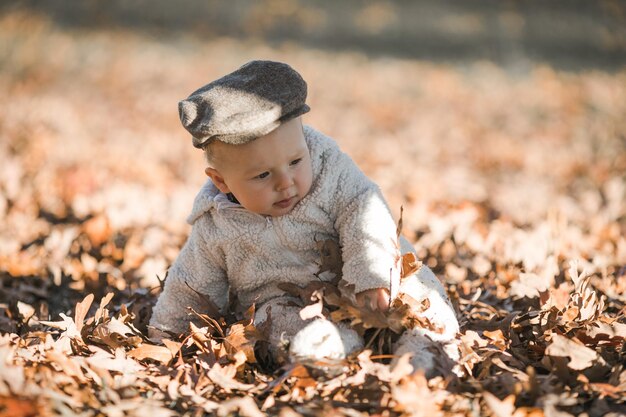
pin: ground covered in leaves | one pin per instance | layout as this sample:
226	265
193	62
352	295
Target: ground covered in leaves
513	190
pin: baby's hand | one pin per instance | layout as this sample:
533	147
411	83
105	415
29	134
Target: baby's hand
374	299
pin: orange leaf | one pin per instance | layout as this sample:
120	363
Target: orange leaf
82	309
16	407
97	229
410	264
158	353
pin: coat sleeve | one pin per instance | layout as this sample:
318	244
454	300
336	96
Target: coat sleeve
367	231
196	276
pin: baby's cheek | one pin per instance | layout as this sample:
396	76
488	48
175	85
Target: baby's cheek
307	181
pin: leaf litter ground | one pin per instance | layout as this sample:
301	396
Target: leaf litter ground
513	191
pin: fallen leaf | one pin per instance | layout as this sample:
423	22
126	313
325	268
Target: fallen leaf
581	357
98	229
224	377
243	336
528	285
82	309
158	353
413	396
244	406
17	407
312	310
410	265
504	408
114	333
100	313
117	363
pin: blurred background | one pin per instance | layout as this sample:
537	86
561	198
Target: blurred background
516	109
573	34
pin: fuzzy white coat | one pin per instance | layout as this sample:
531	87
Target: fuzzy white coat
232	250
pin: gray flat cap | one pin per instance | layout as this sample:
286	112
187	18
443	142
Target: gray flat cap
245	104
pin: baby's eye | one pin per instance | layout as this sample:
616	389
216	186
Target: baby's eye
295	162
263	175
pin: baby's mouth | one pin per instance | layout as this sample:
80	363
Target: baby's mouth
285	203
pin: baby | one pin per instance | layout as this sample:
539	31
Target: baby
275	190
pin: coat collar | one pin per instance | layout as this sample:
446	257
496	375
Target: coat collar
211	197
208	198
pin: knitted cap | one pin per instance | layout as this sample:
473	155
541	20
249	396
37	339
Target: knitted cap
245	104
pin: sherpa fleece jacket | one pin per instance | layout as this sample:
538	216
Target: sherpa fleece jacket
233	249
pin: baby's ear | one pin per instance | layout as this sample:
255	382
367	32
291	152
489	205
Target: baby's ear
217	179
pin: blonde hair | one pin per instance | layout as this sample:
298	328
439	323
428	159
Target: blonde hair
208	155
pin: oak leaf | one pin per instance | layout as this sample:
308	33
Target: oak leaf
581	357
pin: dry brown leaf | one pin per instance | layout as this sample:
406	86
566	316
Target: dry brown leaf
369	367
528	285
98	229
115	333
173	346
473	339
158	353
613	330
497	338
558	297
402	368
243	336
289	412
400	224
481	265
21	264
18	407
504	408
456	273
581	357
66	324
413	396
199	336
101	312
117	362
312	310
410	265
82	309
134	255
244	406
70	367
608	390
224	377
571	314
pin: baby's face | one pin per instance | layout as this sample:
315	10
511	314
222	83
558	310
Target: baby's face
269	175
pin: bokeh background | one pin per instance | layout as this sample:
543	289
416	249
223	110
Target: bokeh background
516	109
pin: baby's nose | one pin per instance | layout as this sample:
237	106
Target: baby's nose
284	181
